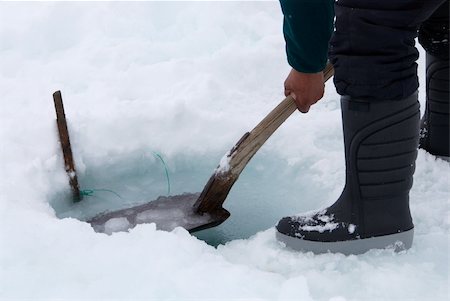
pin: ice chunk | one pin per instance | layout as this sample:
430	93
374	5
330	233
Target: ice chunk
116	225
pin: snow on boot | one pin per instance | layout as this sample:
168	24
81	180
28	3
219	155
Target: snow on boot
381	139
434	132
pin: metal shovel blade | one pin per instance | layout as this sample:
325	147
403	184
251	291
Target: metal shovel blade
166	212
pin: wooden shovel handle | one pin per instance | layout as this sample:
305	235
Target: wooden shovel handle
259	135
220	183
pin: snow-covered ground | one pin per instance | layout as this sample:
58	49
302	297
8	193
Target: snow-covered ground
184	80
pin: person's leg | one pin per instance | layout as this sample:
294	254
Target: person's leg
434	37
373	48
374	57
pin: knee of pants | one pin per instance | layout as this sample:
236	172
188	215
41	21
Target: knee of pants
373	53
373	48
434	32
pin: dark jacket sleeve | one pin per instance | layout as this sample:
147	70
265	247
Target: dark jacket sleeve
307	28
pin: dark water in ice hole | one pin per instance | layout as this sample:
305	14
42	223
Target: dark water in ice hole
267	189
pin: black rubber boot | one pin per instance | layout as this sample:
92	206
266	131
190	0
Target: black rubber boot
381	139
434	132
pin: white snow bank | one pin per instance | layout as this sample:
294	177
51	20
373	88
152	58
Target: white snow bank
185	80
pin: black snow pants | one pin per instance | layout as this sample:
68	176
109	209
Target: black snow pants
373	48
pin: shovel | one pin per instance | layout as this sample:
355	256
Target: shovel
199	211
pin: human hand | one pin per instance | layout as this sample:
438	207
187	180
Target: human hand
305	88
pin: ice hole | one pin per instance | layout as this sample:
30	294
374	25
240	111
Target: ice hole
268	189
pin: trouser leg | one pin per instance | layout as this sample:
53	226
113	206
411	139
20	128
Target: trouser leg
434	37
434	32
373	48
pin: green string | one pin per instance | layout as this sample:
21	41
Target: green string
90	192
166	170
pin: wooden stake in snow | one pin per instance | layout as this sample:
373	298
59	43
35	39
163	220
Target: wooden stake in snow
65	145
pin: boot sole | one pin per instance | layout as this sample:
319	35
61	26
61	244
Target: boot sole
398	241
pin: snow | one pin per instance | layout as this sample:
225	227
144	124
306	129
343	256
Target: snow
185	80
167	213
351	228
224	164
321	228
307	220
